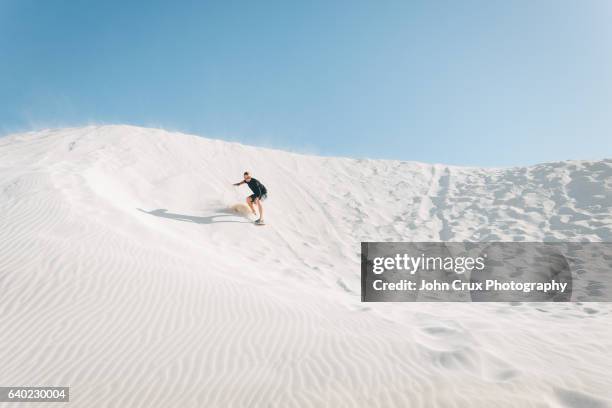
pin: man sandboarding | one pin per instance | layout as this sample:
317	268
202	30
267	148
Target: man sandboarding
259	194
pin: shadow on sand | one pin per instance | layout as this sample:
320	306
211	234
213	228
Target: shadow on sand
210	219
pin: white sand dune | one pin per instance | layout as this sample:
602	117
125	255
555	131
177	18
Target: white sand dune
125	274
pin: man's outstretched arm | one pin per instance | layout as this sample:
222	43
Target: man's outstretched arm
237	184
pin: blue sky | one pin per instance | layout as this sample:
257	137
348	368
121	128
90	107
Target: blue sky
489	82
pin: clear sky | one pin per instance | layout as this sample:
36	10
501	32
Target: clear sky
488	82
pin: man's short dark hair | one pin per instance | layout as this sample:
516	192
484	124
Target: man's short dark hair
246	173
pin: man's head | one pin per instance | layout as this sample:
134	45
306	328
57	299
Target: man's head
247	176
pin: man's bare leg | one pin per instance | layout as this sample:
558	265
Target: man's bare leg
260	208
250	203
